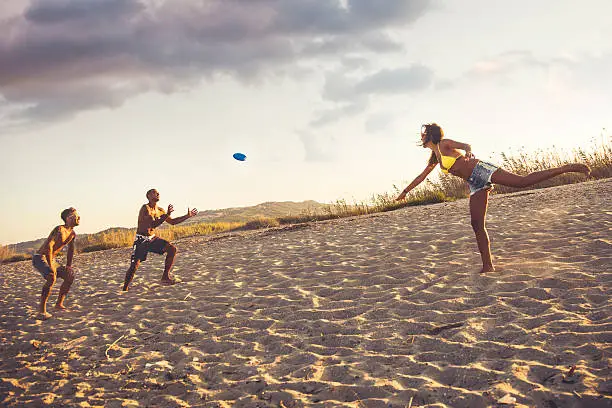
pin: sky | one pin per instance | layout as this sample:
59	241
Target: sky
101	100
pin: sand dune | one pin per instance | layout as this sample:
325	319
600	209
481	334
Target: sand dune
385	310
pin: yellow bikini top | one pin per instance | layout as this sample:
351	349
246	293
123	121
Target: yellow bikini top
447	162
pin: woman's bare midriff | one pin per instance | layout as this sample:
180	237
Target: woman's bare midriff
463	167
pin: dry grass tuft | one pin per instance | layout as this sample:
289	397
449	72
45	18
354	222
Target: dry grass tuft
8	254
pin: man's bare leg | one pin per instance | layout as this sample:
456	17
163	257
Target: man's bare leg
129	275
170	254
46	290
68	278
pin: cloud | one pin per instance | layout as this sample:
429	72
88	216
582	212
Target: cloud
53	12
341	111
351	63
387	81
562	76
61	56
396	81
350	96
503	67
12	8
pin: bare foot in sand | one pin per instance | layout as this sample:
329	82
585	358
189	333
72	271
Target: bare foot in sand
44	316
60	307
579	168
488	268
168	281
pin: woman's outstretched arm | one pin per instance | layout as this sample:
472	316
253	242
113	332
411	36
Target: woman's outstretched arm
416	181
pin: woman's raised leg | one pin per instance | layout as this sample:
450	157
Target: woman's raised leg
505	178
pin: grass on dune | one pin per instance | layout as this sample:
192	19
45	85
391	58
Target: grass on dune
7	254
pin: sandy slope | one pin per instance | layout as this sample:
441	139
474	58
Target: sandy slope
349	312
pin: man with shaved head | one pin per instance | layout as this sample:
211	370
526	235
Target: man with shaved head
150	217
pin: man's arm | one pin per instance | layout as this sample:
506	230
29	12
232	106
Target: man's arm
165	216
190	213
49	248
70	254
156	223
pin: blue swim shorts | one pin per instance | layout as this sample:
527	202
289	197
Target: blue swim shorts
41	265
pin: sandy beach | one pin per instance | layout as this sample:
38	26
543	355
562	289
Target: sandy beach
386	310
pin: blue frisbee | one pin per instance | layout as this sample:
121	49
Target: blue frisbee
239	156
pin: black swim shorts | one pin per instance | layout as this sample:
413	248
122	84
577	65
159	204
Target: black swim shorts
143	244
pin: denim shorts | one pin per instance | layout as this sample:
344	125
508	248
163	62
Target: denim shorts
481	177
39	263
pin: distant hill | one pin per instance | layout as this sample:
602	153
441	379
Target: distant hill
237	214
266	210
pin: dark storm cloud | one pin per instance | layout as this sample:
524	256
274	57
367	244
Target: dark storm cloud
61	56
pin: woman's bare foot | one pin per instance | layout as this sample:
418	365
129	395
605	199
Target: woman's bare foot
487	268
60	307
579	168
44	316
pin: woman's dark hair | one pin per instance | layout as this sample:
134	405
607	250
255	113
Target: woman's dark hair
433	133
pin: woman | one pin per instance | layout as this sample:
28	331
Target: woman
479	175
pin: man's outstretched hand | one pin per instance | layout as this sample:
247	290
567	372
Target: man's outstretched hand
192	213
170	209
